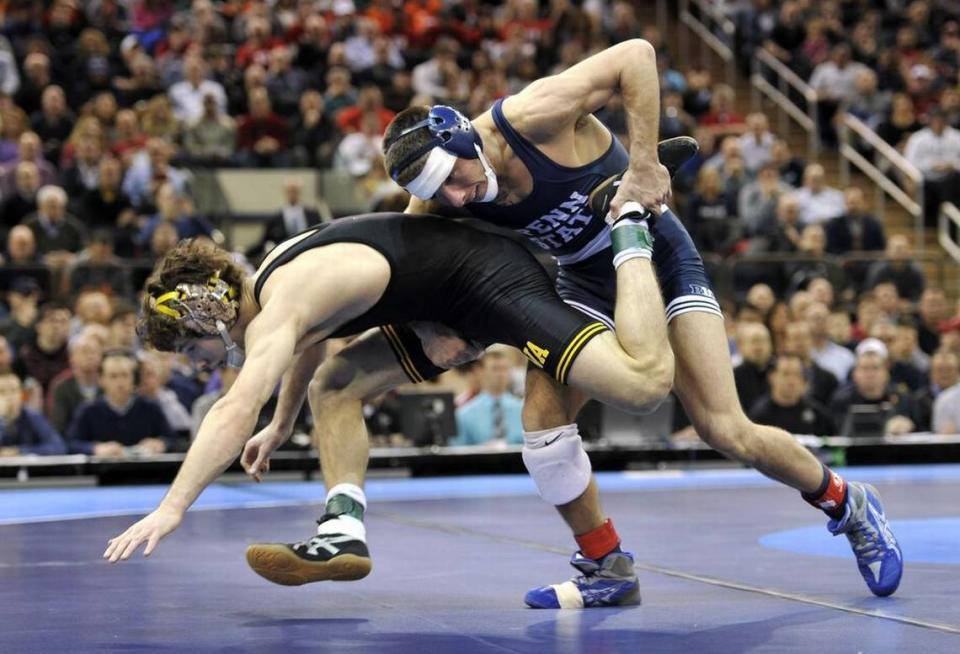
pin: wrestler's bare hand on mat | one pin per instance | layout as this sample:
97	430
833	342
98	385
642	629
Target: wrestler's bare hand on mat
149	530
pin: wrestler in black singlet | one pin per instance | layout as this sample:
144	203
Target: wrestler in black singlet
483	286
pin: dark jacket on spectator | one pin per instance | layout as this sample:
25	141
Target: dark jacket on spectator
276	230
14	209
31	434
899	404
98	422
821	384
806	417
908	278
751	383
65	398
42	366
68	234
849	233
97	209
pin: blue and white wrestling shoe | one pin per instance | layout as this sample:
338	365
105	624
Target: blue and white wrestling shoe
878	554
611	581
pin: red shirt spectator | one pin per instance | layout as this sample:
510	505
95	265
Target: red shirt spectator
258	45
370	100
261	123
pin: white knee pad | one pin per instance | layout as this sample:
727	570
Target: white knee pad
557	462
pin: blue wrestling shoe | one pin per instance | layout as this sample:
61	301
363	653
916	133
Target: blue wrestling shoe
611	581
878	554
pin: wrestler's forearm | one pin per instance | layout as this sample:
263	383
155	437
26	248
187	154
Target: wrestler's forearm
293	388
640	87
222	434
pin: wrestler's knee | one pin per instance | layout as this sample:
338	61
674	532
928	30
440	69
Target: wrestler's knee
331	382
730	432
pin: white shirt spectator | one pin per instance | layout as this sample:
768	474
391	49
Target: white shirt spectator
835	359
756	153
835	82
946	411
187	99
358	152
9	76
175	413
821	206
925	149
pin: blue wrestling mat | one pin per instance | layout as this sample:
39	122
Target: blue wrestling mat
728	562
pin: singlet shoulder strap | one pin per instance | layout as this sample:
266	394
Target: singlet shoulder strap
305	243
527	151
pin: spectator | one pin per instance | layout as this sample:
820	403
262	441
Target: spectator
123	328
398	95
712	213
6	357
932	310
946	406
292	219
827	354
128	138
45	356
98	268
120	419
756	144
285	84
907	348
758	200
835	82
888	300
211	139
798	342
904	375
18	327
493	416
782	234
791	168
869	103
177	210
433	76
84	173
106	206
339	94
787	405
58	234
149	170
21	247
360	151
944	373
935	151
674	121
901	123
841	329
203	404
856	230
900	269
76	385
154	375
22	430
262	135
142	85
188	97
36	71
788	34
23	201
871	379
29	148
53	123
818	202
722	118
314	134
369	103
256	49
821	290
158	119
387	62
754	345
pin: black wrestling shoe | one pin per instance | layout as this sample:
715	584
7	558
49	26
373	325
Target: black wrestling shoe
325	557
673	153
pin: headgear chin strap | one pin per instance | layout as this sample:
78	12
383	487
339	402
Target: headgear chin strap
205	310
452	135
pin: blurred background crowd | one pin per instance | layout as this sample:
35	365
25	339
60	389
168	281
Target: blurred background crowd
110	109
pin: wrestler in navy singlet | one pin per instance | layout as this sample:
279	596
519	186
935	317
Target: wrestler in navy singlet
482	285
558	216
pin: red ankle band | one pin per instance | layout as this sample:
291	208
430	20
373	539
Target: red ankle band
598	543
834	496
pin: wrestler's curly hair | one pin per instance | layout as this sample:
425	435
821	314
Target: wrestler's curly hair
396	150
192	261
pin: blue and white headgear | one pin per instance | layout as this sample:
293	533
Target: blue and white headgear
451	136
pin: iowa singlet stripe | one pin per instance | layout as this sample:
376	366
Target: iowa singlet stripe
575	346
402	355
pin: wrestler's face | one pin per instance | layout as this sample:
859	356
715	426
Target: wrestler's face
206	353
466	183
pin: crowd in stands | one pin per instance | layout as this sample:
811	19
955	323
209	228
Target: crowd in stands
109	108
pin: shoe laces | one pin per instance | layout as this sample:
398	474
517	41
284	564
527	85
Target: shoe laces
866	542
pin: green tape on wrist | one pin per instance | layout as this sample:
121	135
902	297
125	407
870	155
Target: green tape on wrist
631	237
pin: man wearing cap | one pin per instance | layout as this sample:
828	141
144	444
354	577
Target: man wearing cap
871	385
541	164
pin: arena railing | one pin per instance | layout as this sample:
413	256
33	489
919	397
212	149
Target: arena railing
836	450
772	79
948	230
855	138
707	23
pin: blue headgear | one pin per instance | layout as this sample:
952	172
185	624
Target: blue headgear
452	133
